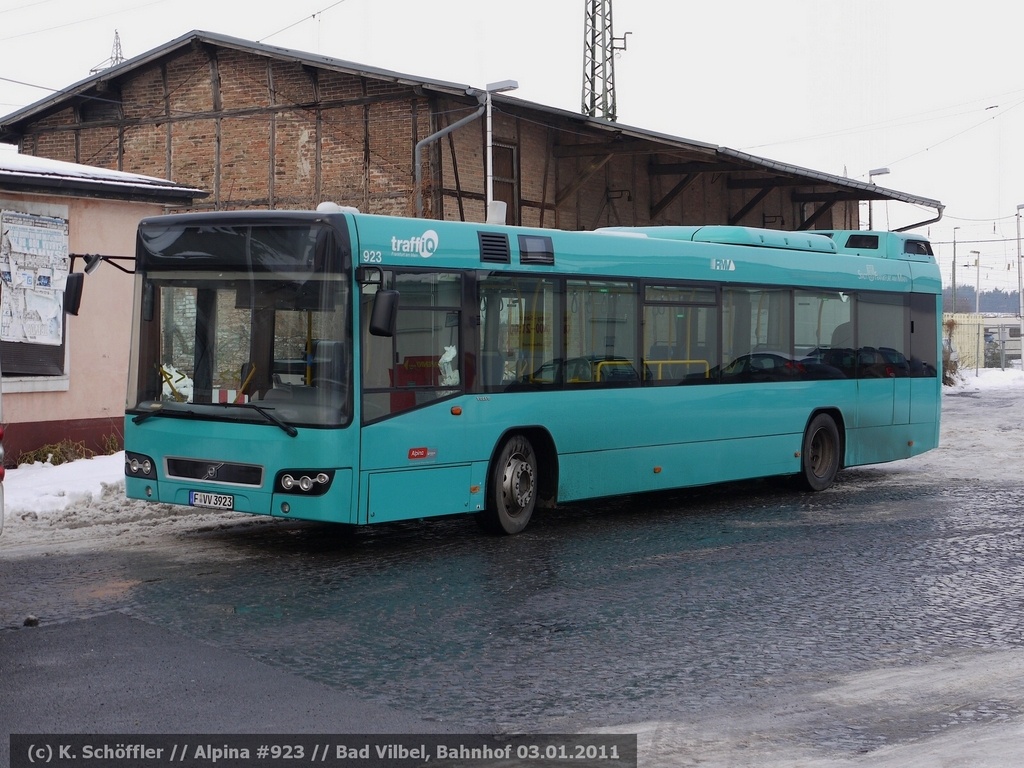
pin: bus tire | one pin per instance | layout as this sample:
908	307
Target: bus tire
511	488
820	455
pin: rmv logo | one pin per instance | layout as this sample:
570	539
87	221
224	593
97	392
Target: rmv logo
424	245
723	265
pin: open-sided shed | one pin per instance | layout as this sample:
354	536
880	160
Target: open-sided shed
261	126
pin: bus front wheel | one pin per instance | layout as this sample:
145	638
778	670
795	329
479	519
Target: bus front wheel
820	457
511	488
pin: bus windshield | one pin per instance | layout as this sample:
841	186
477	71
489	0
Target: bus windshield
251	327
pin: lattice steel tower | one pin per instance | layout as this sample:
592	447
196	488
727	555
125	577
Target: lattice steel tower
599	47
116	56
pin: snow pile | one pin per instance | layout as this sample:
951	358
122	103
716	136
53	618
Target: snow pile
82	503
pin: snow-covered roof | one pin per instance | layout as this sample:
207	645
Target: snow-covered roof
27	173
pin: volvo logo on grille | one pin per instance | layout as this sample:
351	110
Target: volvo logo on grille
212	470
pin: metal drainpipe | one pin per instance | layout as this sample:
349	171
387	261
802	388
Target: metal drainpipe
938	210
482	99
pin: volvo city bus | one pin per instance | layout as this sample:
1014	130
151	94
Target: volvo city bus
336	366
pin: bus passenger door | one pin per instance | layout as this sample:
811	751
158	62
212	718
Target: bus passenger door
882	365
414	457
901	399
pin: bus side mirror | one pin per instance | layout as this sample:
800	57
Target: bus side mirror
73	293
384	313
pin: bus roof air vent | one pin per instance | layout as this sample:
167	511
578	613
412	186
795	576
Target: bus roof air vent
494	247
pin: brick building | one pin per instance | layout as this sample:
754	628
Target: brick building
265	127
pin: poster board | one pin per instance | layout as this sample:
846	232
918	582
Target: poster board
34	266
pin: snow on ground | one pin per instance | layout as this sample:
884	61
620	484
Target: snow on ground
982	434
82	504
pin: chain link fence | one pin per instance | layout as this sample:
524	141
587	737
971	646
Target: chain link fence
980	342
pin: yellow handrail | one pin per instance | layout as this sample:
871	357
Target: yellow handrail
659	364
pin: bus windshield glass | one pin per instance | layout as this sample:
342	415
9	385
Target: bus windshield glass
242	324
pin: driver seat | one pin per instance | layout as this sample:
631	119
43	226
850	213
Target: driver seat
328	362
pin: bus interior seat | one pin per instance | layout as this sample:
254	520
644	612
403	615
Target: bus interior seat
657	365
492	369
328	362
842	336
660	351
617	371
578	371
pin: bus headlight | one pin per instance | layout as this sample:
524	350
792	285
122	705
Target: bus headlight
308	482
138	465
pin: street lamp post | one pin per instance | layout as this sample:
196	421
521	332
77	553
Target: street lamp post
977	284
871	180
977	309
1020	287
953	309
499	87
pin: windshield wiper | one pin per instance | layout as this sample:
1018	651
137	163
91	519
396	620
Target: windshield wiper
158	409
155	409
265	413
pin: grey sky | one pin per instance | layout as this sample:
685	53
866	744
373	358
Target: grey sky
931	89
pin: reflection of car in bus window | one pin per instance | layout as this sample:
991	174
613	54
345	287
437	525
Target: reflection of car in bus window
584	370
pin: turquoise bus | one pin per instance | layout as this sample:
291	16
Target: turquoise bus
337	366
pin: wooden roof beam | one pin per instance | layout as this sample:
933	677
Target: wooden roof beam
600	148
679	169
818	213
584	176
673	193
820	197
751	204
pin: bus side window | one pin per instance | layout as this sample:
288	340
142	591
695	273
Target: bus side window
824	334
883	323
924	350
600	329
758	323
427	365
517	327
680	333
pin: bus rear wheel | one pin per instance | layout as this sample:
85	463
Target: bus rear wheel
511	488
820	456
